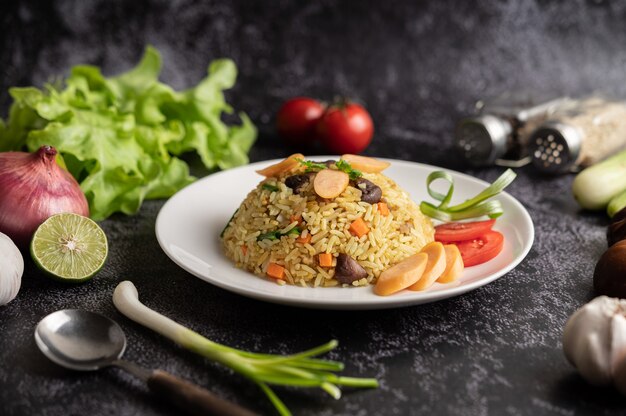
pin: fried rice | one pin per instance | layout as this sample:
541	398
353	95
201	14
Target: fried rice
278	225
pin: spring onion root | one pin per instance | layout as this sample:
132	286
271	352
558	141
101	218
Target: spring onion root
300	370
477	206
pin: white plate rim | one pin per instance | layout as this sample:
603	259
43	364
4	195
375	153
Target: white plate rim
385	302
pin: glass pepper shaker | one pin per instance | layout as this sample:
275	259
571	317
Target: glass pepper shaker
579	135
499	132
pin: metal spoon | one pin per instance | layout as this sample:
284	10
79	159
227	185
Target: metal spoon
83	340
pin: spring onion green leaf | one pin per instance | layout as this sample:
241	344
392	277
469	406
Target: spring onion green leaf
270	187
477	206
271	235
228	223
275	235
298	370
293	231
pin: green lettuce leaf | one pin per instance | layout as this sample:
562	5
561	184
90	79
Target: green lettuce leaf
121	137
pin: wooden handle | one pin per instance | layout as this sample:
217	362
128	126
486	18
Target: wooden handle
193	399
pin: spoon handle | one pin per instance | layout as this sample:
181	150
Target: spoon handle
192	398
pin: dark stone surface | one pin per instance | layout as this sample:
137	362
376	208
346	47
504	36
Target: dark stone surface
417	66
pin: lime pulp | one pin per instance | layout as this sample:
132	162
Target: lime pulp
69	247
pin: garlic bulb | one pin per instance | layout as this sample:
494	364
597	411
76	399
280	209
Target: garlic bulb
11	269
594	339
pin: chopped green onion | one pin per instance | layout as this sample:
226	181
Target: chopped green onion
275	235
272	235
477	206
345	166
270	187
228	223
293	231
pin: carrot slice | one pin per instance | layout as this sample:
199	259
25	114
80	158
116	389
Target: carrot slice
435	267
383	209
359	228
329	183
402	275
366	164
296	218
305	240
275	270
244	250
454	264
280	167
325	259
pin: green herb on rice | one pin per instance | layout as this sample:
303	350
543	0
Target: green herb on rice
312	166
345	166
275	235
228	223
270	187
341	165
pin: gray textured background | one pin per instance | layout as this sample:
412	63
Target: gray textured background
417	66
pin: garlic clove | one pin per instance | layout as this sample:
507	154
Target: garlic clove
11	269
619	376
618	340
594	337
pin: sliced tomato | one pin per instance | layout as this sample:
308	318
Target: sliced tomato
481	249
461	231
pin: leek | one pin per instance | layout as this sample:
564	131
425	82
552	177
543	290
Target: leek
595	186
616	204
477	206
300	370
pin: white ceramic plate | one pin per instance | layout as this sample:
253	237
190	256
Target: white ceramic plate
189	224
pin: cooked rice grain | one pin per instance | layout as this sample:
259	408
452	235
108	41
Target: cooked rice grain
390	240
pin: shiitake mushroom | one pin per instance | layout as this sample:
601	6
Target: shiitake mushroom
348	270
370	192
609	276
298	182
616	232
619	215
617	229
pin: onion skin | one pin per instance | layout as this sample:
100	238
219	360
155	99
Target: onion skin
32	188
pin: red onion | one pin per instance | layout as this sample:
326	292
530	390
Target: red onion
32	188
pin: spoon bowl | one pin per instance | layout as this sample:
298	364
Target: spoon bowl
80	340
83	340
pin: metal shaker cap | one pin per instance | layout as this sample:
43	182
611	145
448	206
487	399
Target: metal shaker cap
483	139
554	147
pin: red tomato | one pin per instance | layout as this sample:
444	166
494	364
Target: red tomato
296	119
481	249
345	129
461	231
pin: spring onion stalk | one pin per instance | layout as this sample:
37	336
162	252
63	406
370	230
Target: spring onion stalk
300	370
477	206
595	186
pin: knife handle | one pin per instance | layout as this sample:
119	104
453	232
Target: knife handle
194	399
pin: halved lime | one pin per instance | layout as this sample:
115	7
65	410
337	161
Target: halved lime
69	247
